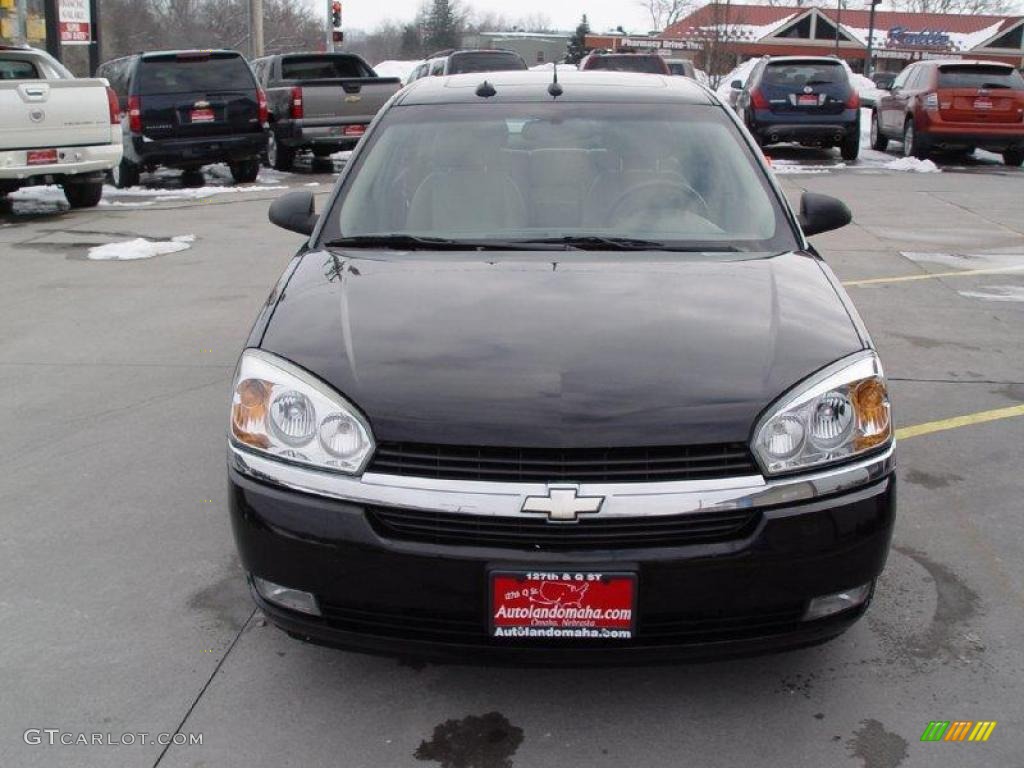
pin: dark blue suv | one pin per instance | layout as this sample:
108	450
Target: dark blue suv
804	99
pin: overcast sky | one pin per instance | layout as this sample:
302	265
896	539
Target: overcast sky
563	14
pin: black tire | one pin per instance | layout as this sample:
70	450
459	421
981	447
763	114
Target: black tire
914	143
323	153
126	175
245	171
849	148
193	178
878	140
1013	157
279	158
84	194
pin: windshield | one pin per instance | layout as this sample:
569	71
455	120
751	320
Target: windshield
194	72
651	65
980	77
322	68
462	63
797	74
674	174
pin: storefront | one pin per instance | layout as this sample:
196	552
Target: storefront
718	36
50	24
23	21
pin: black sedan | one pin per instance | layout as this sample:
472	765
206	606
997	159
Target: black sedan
557	377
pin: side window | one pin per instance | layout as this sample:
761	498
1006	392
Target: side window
437	68
902	77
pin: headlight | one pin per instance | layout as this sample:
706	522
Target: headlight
280	410
839	413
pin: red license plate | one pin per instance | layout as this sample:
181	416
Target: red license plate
203	116
982	104
563	605
807	101
41	157
355	130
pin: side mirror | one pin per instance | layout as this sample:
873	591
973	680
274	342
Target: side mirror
736	85
295	212
884	83
822	213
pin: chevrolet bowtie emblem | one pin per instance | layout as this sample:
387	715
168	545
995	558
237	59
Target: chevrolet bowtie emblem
563	505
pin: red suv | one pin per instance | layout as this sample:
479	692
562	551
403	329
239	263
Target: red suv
953	105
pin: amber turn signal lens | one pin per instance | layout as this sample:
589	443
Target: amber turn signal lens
874	424
249	413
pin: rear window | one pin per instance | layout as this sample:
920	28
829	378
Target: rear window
800	73
462	63
961	76
652	65
323	68
184	74
18	69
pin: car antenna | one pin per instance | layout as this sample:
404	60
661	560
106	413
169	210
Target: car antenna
485	90
555	89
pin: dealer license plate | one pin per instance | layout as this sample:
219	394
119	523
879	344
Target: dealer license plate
203	116
982	104
41	157
563	605
809	100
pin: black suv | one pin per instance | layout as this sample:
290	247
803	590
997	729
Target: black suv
806	99
187	109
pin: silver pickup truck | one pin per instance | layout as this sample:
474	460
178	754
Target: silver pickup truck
319	101
55	128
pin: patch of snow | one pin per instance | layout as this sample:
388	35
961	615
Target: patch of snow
741	73
913	165
120	204
395	68
342	155
197	193
968	260
312	184
48	198
140	248
997	293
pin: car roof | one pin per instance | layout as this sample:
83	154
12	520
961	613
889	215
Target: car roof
189	52
529	86
794	59
967	62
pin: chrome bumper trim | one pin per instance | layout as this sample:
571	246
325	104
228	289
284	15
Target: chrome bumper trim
620	499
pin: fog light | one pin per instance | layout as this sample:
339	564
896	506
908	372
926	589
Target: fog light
829	605
286	597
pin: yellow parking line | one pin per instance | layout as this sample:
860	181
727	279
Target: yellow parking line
930	275
959	421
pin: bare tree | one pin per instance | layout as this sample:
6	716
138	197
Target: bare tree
969	7
665	13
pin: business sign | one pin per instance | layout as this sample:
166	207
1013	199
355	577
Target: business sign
75	22
667	45
901	37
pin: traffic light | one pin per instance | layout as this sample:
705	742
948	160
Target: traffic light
336	15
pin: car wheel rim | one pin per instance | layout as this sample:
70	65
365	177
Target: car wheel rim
115	173
874	130
272	150
908	140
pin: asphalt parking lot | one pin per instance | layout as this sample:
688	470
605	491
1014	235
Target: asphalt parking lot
124	609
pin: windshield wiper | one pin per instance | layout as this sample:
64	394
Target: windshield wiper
422	243
602	243
820	82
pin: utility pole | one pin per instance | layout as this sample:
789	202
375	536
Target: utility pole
94	44
839	20
51	10
869	64
256	28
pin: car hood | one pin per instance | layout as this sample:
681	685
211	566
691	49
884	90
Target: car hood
595	350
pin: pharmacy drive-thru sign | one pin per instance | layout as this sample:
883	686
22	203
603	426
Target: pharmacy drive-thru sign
75	22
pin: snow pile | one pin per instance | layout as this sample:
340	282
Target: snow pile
45	199
913	165
399	69
551	65
741	73
140	248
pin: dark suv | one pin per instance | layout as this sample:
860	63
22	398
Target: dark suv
647	63
187	109
805	99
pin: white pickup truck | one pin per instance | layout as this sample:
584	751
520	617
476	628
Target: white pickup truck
55	128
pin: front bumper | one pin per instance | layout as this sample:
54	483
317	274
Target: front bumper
72	162
196	152
385	594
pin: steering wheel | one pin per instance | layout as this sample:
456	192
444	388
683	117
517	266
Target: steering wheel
643	195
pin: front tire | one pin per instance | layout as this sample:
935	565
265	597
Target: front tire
84	195
878	140
125	175
914	144
1013	158
279	158
245	171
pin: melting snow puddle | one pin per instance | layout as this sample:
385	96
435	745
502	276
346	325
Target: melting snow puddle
140	248
997	293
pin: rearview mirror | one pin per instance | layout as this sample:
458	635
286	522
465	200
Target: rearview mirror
736	85
295	212
822	213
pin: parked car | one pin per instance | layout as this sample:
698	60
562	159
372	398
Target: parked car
187	109
953	105
54	128
682	68
561	380
804	99
649	63
460	62
731	85
320	102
